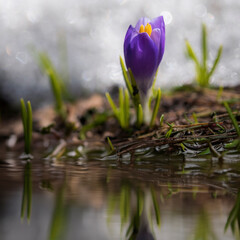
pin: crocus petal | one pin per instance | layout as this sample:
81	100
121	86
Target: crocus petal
131	33
158	22
142	21
159	39
141	56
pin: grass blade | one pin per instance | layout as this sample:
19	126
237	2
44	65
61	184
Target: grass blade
156	108
139	116
204	46
125	75
192	54
126	108
112	105
161	120
156	207
121	108
24	121
110	144
29	126
233	119
216	61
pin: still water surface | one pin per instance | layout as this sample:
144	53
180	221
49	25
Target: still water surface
158	197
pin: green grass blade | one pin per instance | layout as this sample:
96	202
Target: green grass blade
191	53
156	108
195	117
216	61
110	144
126	108
29	126
204	46
161	120
233	215
139	116
220	92
125	76
29	190
121	108
24	121
233	119
56	88
112	105
156	207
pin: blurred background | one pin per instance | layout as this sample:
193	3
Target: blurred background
85	38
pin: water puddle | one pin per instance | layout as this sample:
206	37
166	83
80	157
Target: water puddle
155	197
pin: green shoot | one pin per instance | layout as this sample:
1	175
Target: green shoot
27	124
233	219
122	113
27	192
110	144
126	78
112	105
233	119
156	207
169	132
156	107
56	82
220	92
203	73
139	116
194	115
161	120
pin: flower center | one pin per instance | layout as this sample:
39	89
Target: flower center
147	29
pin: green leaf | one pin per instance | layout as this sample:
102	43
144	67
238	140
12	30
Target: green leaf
135	93
204	47
24	121
233	144
29	126
156	207
139	116
216	61
125	75
195	118
233	217
121	108
27	192
161	120
156	108
126	108
112	105
110	144
169	132
192	54
233	119
205	152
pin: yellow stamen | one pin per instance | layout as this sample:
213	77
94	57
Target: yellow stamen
141	30
147	29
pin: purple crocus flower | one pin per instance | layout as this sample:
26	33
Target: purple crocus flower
143	50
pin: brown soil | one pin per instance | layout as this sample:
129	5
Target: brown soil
179	108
